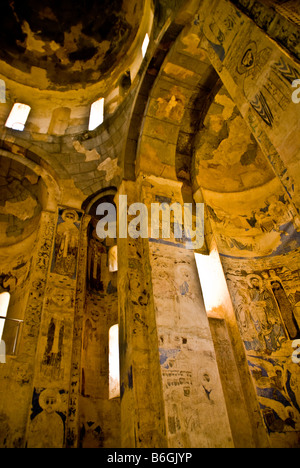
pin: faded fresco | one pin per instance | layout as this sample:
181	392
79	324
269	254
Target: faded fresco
254	212
49	414
262	77
66	243
267	303
98	415
227	157
191	386
48	419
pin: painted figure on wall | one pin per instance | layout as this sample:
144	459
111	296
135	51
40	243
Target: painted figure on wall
54	348
47	427
267	310
263	312
66	244
91	359
277	386
97	259
286	310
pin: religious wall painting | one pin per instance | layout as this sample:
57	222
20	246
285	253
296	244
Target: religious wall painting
60	296
277	382
91	435
266	311
222	29
91	351
47	419
264	316
56	330
283	27
266	303
97	262
227	158
53	353
264	75
187	384
55	348
251	67
64	260
267	228
15	273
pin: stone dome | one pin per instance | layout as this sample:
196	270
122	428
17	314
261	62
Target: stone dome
63	44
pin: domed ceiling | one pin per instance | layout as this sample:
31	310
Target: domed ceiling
249	210
227	157
71	43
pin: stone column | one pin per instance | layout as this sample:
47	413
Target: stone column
142	409
50	394
72	425
165	333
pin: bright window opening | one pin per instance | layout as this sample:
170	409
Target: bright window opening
114	362
97	114
4	303
113	259
18	117
212	279
145	45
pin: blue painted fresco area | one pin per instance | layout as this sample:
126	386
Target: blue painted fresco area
276	389
290	239
219	49
184	288
165	355
289	242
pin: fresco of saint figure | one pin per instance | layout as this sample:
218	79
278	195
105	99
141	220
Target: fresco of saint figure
264	315
66	244
47	429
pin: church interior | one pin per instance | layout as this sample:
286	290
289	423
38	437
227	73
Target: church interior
142	342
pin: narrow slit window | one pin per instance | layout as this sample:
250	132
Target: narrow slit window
114	363
97	114
18	117
145	45
113	259
4	303
213	283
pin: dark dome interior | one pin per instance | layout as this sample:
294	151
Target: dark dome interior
75	42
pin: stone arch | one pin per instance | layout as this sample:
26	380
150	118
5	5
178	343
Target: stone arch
106	194
100	312
51	193
139	108
185	81
185	87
